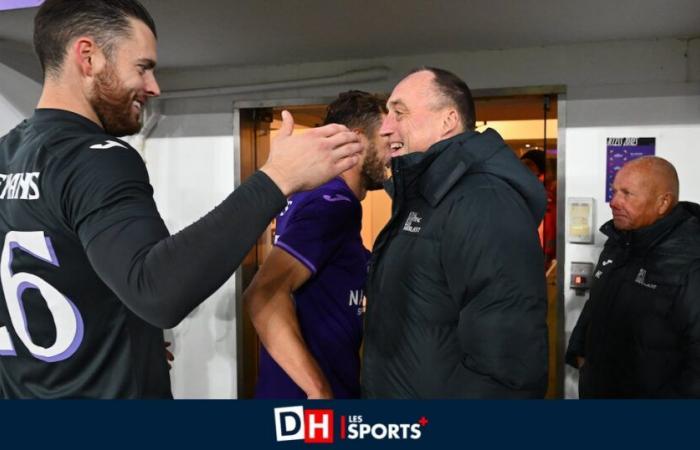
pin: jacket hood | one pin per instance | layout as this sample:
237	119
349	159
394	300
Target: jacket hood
473	152
692	208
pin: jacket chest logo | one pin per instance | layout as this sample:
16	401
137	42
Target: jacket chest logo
607	262
641	277
411	222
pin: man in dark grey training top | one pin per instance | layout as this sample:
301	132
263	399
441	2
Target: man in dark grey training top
89	271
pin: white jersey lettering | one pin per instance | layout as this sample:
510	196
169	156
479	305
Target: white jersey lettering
19	186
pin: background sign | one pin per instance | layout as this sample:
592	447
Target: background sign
621	150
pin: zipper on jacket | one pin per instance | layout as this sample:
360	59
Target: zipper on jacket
380	243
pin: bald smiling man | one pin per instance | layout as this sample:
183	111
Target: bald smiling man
638	335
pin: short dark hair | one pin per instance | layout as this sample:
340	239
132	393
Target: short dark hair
357	109
60	21
536	156
456	91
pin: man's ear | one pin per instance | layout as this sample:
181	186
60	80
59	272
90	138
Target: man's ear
364	140
450	123
664	203
85	54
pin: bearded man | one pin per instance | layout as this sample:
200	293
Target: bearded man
90	274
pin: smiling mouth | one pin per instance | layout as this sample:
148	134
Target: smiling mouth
396	148
138	105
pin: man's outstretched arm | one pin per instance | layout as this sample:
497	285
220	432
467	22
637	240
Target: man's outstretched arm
162	278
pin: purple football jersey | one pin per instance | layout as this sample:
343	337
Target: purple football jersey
321	229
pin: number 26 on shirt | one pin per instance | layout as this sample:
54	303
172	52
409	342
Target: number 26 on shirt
66	317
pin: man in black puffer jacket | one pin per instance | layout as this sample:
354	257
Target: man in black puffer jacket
638	335
456	304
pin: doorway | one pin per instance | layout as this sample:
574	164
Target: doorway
255	124
527	122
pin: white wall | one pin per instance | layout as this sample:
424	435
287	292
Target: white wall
18	97
630	88
190	160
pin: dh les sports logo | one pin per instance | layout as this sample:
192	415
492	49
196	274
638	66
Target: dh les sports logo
316	426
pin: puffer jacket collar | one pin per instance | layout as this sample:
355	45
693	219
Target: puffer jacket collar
445	162
433	174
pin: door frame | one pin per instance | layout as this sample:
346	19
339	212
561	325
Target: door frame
244	166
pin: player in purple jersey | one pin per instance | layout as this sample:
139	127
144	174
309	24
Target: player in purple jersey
305	301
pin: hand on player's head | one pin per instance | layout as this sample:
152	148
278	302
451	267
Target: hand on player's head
304	161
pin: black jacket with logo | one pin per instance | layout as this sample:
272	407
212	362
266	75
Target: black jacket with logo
640	330
456	304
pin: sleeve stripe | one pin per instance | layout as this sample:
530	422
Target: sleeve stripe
297	255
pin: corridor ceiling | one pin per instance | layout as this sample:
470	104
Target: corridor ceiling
262	32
